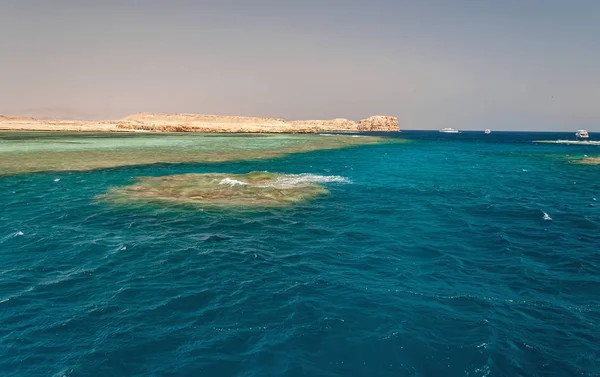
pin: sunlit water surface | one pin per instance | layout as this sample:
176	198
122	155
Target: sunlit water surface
450	255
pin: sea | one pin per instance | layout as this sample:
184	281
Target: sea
445	255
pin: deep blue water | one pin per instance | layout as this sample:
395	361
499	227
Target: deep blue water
435	261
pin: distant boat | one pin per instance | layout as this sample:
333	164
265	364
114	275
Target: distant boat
488	131
449	130
582	134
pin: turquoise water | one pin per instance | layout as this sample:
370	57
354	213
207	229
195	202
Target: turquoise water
433	258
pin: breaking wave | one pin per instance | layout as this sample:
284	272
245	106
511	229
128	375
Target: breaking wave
299	180
232	182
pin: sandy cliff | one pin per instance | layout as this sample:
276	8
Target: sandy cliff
157	122
338	124
207	123
379	123
199	118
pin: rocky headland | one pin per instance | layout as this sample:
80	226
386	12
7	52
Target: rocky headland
158	122
378	123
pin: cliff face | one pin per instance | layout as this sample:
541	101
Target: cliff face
208	123
218	123
199	118
338	124
379	123
212	127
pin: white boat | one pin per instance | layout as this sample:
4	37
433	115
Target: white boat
488	131
582	134
449	130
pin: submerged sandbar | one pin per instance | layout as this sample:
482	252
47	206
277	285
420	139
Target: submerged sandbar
589	161
26	152
217	190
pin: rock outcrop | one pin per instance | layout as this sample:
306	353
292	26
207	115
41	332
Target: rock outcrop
200	118
209	123
379	123
338	124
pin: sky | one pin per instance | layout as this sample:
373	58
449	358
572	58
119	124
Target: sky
510	64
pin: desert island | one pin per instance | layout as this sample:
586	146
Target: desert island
158	122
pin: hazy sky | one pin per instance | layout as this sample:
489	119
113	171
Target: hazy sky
502	64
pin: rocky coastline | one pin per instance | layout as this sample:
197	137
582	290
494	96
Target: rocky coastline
158	122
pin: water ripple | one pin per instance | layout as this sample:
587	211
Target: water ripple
441	268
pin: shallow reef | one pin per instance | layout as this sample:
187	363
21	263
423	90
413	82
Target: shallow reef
23	152
216	190
589	161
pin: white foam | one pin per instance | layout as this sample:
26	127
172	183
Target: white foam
57	179
547	217
483	371
231	182
12	235
581	142
300	180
